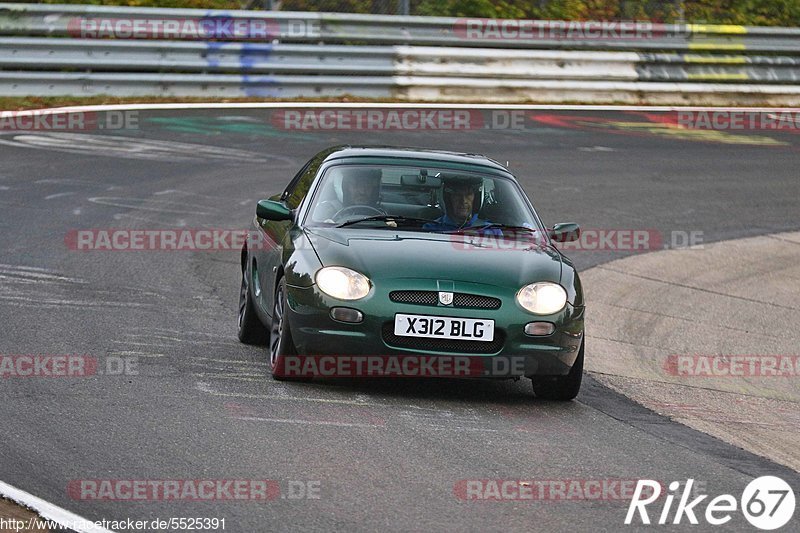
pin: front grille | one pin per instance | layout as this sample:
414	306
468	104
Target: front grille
475	301
442	345
414	297
460	299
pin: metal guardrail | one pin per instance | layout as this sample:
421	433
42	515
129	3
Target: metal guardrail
256	59
332	28
401	87
154	56
60	50
545	64
184	85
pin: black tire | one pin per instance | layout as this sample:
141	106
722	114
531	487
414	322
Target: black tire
251	330
560	388
280	337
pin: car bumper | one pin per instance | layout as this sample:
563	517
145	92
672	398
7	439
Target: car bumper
513	352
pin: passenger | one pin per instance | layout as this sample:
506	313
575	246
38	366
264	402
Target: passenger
461	205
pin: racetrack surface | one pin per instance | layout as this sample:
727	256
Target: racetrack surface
387	454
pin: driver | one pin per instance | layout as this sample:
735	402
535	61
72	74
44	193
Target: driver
461	202
361	187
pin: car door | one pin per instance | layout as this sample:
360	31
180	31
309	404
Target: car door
273	235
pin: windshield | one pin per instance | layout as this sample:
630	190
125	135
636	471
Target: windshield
419	199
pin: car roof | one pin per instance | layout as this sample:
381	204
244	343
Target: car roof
351	152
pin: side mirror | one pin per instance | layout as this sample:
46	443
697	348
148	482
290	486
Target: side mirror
272	210
566	232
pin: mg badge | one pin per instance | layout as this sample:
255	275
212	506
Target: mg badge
445	298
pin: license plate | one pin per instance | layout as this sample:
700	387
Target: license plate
444	327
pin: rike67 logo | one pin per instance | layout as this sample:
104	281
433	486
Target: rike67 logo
768	503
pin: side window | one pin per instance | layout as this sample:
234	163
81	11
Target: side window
293	184
300	184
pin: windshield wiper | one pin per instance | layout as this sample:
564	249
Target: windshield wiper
385	218
492	225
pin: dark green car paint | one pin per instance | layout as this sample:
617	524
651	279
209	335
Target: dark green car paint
406	260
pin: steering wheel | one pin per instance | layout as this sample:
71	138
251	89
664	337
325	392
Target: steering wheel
358	209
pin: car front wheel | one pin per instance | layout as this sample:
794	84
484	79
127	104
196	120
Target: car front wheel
560	388
251	330
280	339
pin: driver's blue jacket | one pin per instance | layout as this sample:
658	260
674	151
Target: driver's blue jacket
445	223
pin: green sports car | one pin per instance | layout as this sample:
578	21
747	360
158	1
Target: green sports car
376	258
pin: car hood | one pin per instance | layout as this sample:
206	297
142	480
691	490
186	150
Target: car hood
392	254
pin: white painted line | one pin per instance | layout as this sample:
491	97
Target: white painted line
37	274
66	182
462	428
220	360
19	267
238	375
595	149
307	422
404	105
137	354
57	195
133	343
49	511
205	387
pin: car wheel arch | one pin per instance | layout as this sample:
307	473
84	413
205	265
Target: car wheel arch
243	258
279	273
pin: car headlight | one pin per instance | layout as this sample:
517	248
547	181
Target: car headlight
342	283
542	298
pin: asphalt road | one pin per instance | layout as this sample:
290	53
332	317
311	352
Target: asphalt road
386	454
